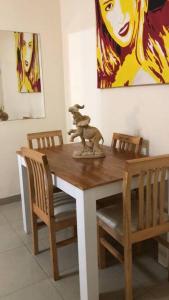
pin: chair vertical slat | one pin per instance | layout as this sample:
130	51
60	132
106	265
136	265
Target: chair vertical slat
45	191
39	143
60	138
132	148
141	202
115	143
148	199
48	141
155	197
52	141
127	147
120	145
162	195
41	187
137	148
35	182
39	181
43	142
30	143
38	186
127	204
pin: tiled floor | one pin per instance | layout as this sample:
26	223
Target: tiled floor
25	277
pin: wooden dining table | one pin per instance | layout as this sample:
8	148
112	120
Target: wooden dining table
87	180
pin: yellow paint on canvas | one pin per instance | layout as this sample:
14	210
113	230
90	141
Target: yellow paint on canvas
123	22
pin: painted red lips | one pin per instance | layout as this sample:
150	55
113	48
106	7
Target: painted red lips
124	30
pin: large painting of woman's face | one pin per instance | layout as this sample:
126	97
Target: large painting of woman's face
132	42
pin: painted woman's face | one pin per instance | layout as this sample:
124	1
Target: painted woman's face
27	50
120	18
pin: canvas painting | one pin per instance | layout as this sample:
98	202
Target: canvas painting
27	62
132	42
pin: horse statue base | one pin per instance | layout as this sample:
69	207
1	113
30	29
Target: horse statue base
87	154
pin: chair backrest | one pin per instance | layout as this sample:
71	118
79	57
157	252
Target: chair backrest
151	176
42	140
40	183
128	143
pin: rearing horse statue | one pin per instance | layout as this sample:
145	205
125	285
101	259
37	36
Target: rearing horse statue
85	132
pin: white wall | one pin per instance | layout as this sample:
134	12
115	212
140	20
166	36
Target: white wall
40	16
140	110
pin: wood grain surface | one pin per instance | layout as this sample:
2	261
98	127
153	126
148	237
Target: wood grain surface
87	173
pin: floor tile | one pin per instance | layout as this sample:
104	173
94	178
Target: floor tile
8	238
18	269
3	220
68	286
12	211
67	258
160	291
119	295
115	295
148	272
18	227
146	296
43	290
140	294
111	279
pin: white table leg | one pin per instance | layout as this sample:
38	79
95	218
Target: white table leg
87	245
24	195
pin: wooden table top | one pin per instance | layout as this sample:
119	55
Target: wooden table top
87	173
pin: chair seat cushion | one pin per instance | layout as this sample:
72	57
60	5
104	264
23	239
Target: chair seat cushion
112	216
64	206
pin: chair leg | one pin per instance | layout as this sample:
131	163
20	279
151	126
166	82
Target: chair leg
101	249
168	265
53	251
74	231
35	234
128	272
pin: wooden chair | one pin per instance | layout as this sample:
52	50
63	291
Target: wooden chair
57	215
121	143
42	140
133	221
124	142
45	140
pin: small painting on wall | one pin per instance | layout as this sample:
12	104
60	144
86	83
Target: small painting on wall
132	42
27	62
